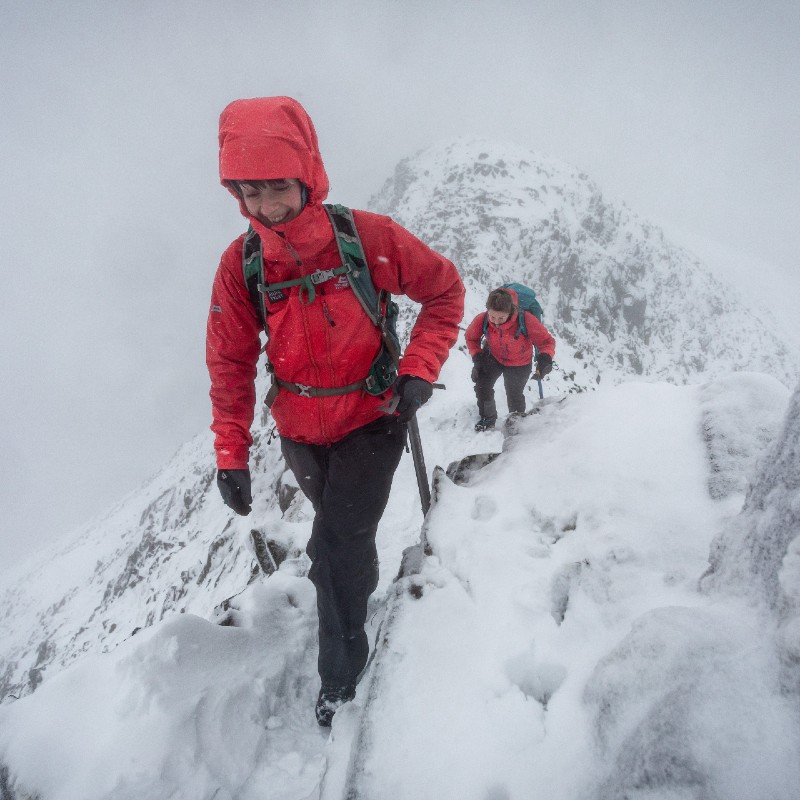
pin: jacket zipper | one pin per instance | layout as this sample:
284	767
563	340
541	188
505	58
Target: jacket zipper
325	310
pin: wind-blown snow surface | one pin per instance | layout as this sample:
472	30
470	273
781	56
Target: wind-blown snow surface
556	644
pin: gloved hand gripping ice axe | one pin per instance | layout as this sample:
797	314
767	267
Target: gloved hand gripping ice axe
544	366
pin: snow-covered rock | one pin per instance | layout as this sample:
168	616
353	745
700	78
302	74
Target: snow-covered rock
757	555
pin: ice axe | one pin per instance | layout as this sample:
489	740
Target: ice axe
415	445
538	376
412	426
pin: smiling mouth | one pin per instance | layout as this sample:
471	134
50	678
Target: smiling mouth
270	221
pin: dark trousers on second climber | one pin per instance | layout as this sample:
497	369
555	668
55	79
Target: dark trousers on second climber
514	379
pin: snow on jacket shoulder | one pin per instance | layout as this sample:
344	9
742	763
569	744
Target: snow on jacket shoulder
329	342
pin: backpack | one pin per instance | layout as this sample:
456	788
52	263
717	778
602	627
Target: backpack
527	301
378	306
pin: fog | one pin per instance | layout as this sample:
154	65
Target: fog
113	219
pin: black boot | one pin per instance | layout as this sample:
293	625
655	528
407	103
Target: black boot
484	424
329	702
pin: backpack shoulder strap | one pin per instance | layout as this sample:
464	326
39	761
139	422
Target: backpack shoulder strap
522	328
352	253
252	269
378	306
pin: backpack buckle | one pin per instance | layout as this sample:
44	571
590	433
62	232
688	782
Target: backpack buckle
321	275
390	406
305	391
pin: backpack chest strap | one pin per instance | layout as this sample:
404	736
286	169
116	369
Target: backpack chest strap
307	283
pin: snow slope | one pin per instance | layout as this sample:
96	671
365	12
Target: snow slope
557	643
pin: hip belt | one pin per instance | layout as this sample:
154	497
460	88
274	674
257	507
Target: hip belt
311	391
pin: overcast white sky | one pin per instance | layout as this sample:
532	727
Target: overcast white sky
113	220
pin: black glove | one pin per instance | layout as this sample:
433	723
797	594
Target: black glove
544	365
234	486
413	393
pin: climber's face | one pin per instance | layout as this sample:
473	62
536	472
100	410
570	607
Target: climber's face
274	202
498	317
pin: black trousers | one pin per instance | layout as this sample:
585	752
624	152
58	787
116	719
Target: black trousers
348	483
487	372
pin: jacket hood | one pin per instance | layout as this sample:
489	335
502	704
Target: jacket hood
265	138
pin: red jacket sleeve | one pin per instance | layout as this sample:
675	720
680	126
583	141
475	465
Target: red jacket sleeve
402	264
474	334
232	350
539	335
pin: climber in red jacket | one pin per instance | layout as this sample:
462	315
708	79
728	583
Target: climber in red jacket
341	446
505	351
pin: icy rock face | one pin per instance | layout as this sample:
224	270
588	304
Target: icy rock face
742	416
620	299
695	702
758	555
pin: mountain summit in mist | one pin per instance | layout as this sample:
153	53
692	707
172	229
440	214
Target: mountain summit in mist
618	296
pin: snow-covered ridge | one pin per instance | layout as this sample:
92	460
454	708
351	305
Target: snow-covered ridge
624	305
165	549
557	642
621	301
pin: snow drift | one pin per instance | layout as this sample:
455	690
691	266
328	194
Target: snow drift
557	642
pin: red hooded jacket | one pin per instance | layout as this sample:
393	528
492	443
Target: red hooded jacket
331	341
503	342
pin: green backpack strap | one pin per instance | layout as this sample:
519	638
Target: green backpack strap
252	263
252	267
307	283
378	306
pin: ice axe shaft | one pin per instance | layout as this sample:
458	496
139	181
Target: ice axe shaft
538	376
412	426
415	444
